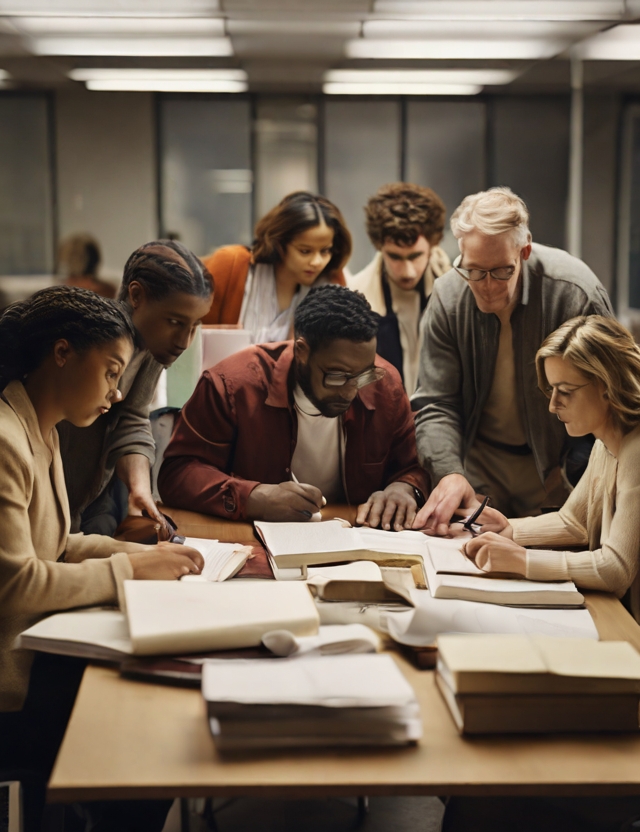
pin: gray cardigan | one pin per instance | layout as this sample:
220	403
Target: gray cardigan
459	350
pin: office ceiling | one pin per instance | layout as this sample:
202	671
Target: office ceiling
291	45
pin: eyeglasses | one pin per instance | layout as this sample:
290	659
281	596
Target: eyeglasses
474	275
563	395
360	380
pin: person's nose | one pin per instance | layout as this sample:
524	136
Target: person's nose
553	402
410	269
316	259
115	395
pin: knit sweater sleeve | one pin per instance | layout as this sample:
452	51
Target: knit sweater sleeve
611	563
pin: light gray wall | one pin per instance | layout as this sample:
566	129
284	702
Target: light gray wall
601	125
106	170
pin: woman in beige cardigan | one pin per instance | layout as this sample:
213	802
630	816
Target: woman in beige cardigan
62	353
590	370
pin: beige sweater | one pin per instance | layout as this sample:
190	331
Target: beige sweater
43	568
602	512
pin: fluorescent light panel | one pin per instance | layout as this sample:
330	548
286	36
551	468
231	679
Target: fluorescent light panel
159	85
476	30
504	9
621	43
525	50
146	26
482	77
115	8
134	47
395	88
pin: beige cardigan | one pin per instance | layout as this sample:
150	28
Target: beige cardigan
603	512
42	567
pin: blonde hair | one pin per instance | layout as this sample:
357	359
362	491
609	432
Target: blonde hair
496	211
603	350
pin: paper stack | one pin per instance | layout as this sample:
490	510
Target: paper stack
519	684
347	700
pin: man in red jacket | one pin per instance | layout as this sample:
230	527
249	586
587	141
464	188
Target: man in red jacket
274	431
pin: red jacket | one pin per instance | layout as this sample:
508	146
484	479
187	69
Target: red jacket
229	267
239	430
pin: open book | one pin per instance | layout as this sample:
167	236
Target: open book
221	560
295	545
175	618
451	575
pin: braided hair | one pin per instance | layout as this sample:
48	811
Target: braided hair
30	328
330	312
163	267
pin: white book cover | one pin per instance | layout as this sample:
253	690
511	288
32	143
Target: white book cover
168	617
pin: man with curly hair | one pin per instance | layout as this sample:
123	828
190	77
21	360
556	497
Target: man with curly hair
405	223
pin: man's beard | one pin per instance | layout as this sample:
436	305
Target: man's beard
326	407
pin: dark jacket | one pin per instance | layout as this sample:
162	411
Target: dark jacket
239	430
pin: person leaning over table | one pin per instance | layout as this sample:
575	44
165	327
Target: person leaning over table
405	223
62	353
590	370
167	291
481	423
273	429
302	242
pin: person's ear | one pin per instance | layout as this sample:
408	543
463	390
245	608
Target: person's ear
61	351
525	252
301	350
136	294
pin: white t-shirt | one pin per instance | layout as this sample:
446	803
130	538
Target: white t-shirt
317	459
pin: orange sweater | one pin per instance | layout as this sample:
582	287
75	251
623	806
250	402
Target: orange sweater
229	267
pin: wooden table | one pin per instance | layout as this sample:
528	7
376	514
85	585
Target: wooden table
131	740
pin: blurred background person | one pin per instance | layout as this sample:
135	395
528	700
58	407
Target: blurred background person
302	242
405	224
77	262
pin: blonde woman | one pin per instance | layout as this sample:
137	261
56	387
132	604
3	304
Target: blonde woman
589	369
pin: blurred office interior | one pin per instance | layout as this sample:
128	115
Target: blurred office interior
130	119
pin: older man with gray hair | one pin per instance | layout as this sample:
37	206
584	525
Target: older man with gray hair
482	425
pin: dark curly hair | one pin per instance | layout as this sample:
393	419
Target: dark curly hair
330	312
30	328
163	267
401	212
293	215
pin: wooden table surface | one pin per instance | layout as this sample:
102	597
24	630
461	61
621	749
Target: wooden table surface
129	739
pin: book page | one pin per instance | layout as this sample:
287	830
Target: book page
364	680
434	616
308	538
393	543
603	660
102	627
450	559
358	570
217	557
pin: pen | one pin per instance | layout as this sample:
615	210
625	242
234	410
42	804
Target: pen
308	513
468	523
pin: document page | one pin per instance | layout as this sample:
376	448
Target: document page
308	538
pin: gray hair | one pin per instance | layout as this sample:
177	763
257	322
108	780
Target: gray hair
491	212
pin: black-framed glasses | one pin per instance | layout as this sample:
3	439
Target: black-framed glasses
360	380
502	273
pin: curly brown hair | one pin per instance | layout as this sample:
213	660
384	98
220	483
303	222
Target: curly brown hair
402	212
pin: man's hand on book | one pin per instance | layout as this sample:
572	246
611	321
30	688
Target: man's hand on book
493	552
286	502
165	562
394	508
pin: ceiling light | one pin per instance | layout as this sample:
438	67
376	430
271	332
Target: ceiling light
159	85
622	43
134	47
484	77
162	80
204	27
395	88
504	9
108	8
476	29
4	75
329	28
136	74
525	50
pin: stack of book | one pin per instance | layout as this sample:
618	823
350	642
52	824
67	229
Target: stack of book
519	684
348	700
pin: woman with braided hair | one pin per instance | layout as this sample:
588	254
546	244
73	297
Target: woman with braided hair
166	291
62	354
